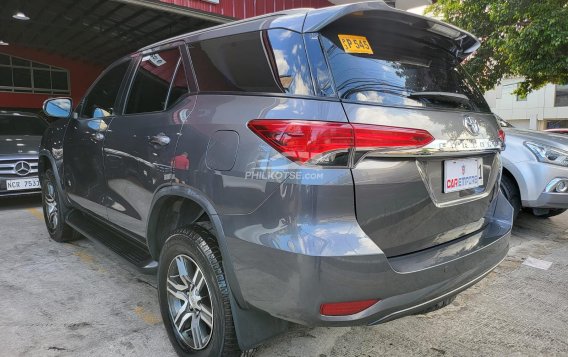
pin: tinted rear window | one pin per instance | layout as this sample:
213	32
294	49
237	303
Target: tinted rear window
21	125
233	64
402	70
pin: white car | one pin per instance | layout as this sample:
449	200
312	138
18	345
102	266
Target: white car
535	171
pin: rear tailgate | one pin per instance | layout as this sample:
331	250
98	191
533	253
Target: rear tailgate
398	70
400	198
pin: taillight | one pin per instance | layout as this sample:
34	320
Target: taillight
502	136
303	141
346	308
382	137
321	142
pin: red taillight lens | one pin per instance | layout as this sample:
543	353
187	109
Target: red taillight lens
377	136
346	308
502	135
303	140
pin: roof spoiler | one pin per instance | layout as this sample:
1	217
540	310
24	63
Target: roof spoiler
465	42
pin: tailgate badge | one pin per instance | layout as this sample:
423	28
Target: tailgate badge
471	125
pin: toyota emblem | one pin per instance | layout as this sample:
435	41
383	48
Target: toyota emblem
471	125
22	168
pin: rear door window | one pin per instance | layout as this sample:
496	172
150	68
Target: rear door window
158	83
396	69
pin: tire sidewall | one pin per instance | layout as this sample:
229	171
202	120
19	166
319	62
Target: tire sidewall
177	244
57	233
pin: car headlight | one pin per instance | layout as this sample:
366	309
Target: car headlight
548	154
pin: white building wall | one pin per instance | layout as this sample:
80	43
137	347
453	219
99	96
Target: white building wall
532	113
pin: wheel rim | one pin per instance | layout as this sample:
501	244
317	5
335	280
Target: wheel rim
51	209
189	302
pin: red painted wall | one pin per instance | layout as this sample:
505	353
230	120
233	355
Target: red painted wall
241	9
81	76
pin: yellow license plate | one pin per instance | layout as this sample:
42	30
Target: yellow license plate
355	44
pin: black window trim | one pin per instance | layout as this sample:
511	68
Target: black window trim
312	67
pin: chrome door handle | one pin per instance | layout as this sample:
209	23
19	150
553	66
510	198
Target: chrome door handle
160	139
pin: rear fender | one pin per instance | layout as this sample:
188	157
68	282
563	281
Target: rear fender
199	198
252	326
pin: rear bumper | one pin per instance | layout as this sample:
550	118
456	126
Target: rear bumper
292	286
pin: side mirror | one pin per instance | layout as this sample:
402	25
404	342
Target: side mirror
58	107
100	113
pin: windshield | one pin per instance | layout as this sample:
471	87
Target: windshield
21	125
394	69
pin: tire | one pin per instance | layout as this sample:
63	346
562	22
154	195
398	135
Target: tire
54	210
512	194
192	302
438	306
549	213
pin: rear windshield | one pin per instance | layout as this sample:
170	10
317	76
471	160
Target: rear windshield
21	125
394	67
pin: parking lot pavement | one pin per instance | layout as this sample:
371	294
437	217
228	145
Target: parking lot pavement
77	299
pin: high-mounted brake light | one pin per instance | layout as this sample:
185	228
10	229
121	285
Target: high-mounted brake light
313	141
346	308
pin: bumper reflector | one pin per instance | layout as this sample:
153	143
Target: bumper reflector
346	308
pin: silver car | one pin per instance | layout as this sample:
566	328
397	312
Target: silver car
20	136
535	171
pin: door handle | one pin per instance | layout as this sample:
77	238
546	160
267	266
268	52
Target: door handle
98	136
160	139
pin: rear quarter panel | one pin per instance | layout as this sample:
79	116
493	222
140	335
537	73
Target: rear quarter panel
258	170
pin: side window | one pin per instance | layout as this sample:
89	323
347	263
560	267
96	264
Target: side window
101	99
153	80
320	69
235	63
291	61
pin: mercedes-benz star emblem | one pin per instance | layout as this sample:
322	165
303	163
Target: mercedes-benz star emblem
22	168
471	125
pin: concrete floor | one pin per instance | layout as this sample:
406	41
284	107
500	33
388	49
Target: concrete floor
77	299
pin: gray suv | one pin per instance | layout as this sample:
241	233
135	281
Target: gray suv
325	167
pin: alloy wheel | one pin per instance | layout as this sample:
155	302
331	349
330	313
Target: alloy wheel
51	209
189	302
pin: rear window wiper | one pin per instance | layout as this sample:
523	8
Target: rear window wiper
442	96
